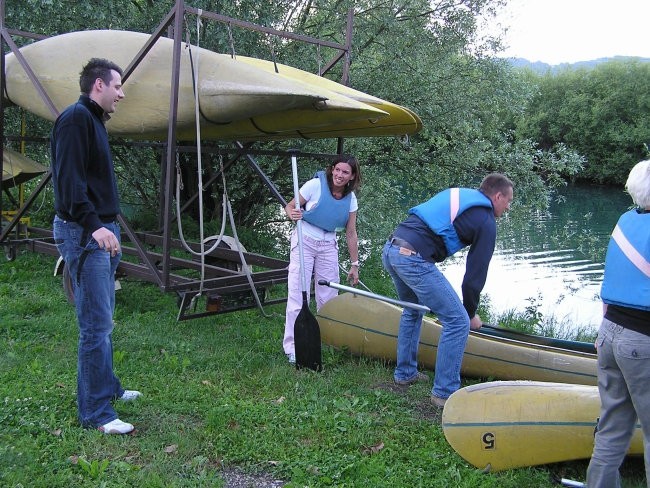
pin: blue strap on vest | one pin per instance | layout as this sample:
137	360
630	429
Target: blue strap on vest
440	211
329	213
624	283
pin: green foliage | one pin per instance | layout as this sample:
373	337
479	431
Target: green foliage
602	114
94	469
532	321
138	180
426	56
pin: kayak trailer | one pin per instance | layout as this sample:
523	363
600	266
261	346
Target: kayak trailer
231	278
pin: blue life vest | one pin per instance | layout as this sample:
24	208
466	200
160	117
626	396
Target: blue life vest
440	211
328	213
627	264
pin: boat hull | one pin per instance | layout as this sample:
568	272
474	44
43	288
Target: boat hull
399	120
368	327
509	424
17	168
237	99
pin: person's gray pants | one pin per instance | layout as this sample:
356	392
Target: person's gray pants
624	387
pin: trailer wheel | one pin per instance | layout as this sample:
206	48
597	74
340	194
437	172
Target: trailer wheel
10	253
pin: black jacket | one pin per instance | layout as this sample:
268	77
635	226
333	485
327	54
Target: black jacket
83	176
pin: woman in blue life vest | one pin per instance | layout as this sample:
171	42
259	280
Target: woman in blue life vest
327	204
623	341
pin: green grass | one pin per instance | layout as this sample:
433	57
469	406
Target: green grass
218	395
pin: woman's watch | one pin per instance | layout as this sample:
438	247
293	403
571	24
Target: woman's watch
354	263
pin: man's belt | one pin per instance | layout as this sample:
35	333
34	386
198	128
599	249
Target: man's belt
104	220
404	246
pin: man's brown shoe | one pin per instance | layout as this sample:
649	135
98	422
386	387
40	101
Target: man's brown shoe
410	381
438	402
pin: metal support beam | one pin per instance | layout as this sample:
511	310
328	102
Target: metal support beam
156	266
171	140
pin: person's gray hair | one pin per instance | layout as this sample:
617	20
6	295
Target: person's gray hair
638	184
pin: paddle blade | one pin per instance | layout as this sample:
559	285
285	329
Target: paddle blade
306	333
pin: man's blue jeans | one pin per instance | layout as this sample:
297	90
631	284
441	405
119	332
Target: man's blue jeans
92	273
420	281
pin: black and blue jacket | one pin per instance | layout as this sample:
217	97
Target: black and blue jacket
452	226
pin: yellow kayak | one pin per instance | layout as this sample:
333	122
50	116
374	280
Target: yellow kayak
17	168
238	98
368	327
509	424
399	120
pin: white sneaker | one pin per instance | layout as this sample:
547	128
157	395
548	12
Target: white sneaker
116	427
129	395
291	357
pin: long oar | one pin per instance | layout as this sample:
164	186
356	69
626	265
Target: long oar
369	294
306	331
491	330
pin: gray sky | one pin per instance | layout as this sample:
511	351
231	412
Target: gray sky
558	31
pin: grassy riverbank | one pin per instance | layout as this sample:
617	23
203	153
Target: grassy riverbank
220	405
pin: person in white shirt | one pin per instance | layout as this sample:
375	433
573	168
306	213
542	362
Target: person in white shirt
327	204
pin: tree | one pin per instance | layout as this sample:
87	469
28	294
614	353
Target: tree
425	55
602	113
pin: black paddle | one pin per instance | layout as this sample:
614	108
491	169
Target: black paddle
306	331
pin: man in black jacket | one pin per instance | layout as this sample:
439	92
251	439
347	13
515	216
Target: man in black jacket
88	237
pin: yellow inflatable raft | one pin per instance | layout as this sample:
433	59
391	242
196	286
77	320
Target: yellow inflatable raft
509	424
368	327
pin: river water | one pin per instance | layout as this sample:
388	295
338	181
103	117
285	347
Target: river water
552	262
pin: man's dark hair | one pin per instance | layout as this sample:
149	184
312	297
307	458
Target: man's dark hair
96	68
495	183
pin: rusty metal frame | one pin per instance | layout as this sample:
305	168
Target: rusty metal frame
158	267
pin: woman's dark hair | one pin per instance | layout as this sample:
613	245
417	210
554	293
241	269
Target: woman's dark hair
97	68
352	185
